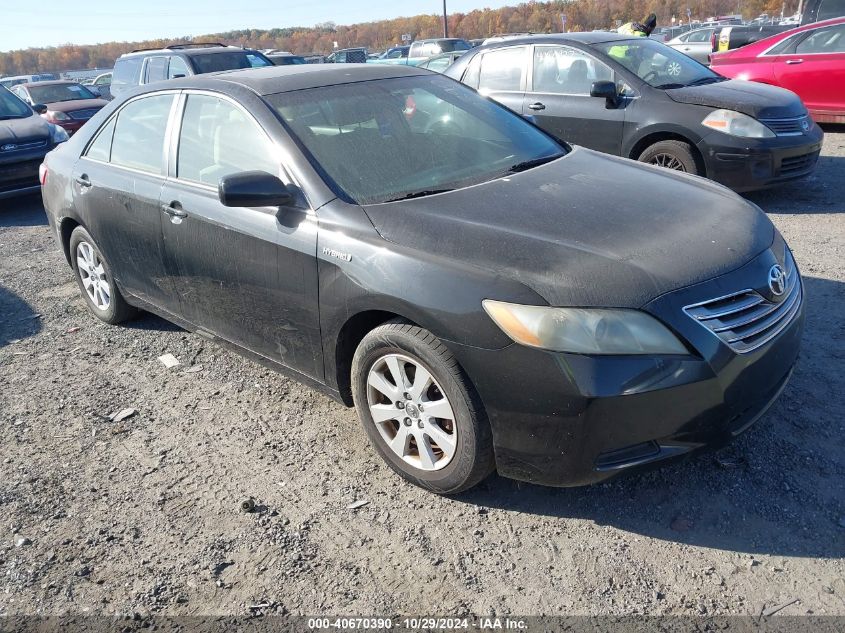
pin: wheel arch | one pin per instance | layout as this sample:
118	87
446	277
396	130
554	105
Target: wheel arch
647	140
353	330
66	228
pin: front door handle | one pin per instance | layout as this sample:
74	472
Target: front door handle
794	61
174	210
83	181
536	106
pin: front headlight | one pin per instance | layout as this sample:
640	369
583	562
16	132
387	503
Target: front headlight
736	124
58	134
55	115
584	330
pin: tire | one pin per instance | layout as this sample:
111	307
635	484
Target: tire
101	294
675	155
466	455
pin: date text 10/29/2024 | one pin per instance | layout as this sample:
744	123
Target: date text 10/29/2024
418	624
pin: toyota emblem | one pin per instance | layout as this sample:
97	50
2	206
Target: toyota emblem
777	280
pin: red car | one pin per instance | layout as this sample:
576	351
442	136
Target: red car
809	61
68	104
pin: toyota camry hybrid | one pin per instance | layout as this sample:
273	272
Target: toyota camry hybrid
485	295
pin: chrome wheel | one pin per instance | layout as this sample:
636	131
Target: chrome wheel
668	161
93	275
411	412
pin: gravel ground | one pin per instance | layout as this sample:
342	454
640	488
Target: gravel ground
142	516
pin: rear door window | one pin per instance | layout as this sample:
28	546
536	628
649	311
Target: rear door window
100	149
156	69
126	74
502	70
139	134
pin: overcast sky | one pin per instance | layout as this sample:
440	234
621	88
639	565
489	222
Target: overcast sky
54	22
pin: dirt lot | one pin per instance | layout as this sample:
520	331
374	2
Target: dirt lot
142	516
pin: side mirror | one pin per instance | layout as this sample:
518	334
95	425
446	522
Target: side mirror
605	90
253	189
94	89
39	108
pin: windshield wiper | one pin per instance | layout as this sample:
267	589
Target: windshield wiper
534	162
419	194
670	86
706	80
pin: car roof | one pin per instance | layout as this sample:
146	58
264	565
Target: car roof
585	37
200	50
275	79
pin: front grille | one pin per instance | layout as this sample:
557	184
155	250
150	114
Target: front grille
797	164
17	146
787	127
19	175
83	115
745	320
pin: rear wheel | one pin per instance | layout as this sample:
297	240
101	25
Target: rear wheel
419	410
94	278
675	155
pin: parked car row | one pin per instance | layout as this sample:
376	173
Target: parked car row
486	295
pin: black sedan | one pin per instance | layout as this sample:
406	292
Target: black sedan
486	296
641	99
25	138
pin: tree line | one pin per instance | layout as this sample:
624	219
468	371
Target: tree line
536	17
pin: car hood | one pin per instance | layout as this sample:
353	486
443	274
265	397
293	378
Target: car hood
587	229
77	104
31	128
754	99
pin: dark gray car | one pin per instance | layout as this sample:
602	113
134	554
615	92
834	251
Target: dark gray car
641	99
485	295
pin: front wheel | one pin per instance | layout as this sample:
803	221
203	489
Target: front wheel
676	155
419	410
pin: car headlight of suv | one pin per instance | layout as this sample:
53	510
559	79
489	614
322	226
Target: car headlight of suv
58	134
736	124
584	330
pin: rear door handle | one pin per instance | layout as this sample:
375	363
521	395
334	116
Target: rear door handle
536	106
83	181
794	61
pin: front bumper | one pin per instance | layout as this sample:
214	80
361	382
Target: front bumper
748	164
568	419
19	173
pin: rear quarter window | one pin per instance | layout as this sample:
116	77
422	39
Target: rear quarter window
126	74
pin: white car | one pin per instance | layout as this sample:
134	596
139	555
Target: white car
696	44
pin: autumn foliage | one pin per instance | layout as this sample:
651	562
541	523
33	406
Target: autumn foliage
538	17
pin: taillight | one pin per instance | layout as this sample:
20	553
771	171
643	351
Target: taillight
713	41
42	173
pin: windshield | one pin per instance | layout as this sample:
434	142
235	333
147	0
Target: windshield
234	60
59	92
391	139
11	107
657	64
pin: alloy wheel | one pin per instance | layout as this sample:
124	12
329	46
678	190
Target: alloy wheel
411	412
93	275
668	161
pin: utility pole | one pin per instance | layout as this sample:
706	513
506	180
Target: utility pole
445	21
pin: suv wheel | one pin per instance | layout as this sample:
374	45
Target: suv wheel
94	278
675	155
419	410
